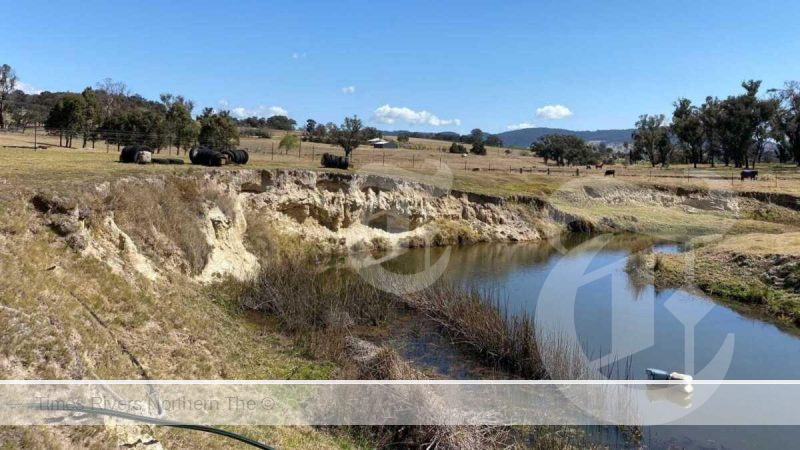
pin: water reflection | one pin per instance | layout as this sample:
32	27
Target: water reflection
762	350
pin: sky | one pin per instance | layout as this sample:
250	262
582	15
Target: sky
415	65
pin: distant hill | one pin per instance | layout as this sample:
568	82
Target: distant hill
526	136
441	135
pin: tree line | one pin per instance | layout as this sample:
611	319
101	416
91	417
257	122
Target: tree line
109	112
740	130
569	150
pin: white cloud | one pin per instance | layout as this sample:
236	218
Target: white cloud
297	55
277	111
260	111
349	90
27	88
391	114
520	126
553	112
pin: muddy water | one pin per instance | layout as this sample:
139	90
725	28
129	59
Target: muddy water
519	271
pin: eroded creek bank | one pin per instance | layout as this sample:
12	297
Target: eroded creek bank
213	224
128	225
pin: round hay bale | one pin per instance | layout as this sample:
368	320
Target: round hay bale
144	157
207	157
128	153
244	156
193	154
229	156
334	161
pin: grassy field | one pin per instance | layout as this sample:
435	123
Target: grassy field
496	173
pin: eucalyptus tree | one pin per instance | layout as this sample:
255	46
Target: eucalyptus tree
787	120
562	148
67	117
651	138
710	118
348	135
8	82
218	130
740	117
687	126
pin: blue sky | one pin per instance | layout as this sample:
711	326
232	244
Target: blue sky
421	65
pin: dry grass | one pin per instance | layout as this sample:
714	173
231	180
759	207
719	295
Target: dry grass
497	173
475	319
762	244
151	212
735	272
319	307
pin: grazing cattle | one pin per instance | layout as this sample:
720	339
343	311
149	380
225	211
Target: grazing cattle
752	174
334	161
611	173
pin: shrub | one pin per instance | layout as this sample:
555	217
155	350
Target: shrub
478	148
289	142
457	148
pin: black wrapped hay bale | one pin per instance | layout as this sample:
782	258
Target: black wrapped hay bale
334	161
129	152
244	156
207	157
167	161
236	156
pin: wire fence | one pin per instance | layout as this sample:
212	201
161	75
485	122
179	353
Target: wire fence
497	160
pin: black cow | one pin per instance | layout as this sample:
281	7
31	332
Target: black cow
752	174
611	173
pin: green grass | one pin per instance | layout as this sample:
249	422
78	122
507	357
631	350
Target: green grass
739	286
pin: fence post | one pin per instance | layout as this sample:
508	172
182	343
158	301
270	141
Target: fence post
35	144
465	165
412	161
383	163
272	151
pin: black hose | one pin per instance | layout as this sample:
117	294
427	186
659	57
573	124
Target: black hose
151	421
